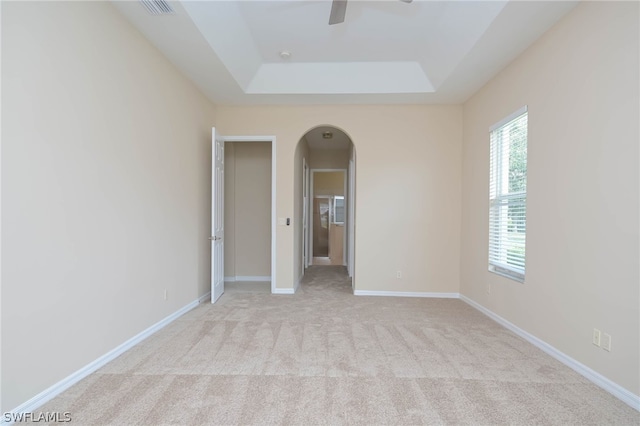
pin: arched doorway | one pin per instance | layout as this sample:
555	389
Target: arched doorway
324	197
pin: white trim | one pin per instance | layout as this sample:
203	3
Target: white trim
273	213
406	294
283	291
274	218
345	223
297	284
252	278
261	278
508	118
204	298
48	394
352	216
303	223
613	388
308	218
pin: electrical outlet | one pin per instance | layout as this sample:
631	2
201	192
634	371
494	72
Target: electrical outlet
596	337
399	274
166	295
606	342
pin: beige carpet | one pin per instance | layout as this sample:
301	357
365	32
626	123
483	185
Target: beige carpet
324	356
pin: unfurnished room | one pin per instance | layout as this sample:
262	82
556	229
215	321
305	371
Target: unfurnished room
302	212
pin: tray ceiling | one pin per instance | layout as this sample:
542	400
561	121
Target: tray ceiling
284	52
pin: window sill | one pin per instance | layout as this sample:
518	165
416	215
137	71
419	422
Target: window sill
515	276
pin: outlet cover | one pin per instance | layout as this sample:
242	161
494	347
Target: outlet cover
606	342
596	337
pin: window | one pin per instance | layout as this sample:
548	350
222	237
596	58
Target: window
508	196
338	209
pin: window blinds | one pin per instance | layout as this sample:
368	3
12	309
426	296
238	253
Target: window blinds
508	196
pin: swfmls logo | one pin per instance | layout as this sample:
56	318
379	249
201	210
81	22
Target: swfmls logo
47	417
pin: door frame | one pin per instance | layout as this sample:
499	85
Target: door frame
351	203
274	219
312	196
305	216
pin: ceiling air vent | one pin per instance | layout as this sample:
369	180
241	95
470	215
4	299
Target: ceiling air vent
157	7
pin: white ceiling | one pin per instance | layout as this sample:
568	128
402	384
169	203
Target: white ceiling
386	51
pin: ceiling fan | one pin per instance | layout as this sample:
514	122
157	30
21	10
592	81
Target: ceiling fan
339	8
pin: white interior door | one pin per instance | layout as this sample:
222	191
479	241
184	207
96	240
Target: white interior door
217	216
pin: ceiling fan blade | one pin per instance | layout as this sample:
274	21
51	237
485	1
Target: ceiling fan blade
338	10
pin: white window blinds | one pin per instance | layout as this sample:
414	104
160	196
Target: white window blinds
508	196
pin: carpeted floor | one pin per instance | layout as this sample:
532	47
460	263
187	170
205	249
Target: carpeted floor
324	356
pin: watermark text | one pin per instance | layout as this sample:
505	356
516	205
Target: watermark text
43	416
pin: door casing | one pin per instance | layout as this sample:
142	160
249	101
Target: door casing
250	139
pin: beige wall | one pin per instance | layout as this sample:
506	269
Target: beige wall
247	209
328	183
105	190
329	158
411	159
580	82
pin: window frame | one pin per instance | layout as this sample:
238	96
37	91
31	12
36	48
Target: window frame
501	200
335	207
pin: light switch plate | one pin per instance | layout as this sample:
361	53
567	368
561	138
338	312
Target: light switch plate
606	342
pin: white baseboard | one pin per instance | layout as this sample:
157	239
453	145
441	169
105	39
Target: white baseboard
283	291
247	278
205	297
614	389
406	294
64	384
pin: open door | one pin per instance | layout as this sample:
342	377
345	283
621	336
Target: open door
217	216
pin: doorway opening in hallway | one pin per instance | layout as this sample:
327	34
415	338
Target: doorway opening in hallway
327	220
325	199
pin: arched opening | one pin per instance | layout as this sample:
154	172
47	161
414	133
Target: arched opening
324	198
